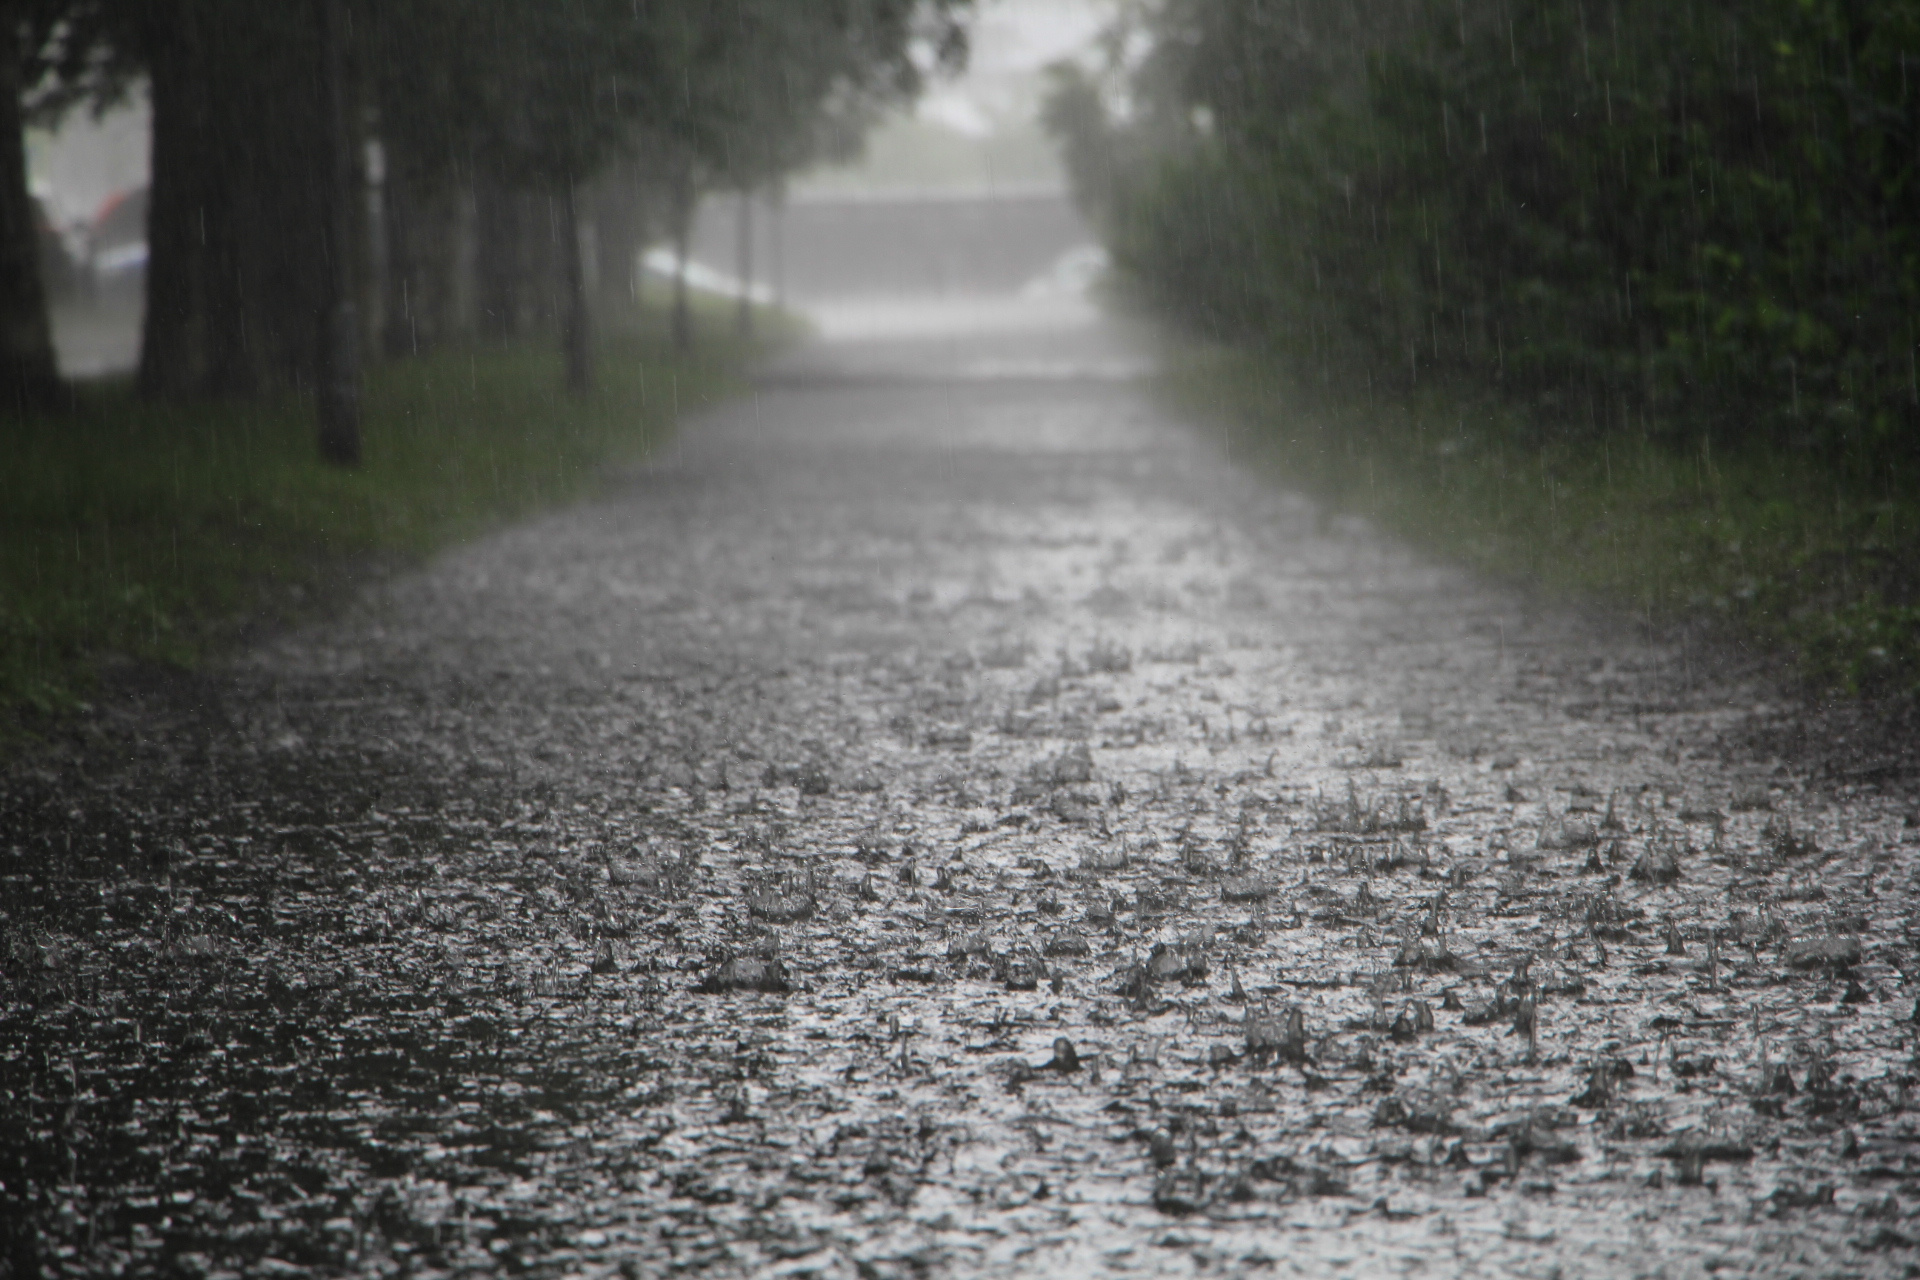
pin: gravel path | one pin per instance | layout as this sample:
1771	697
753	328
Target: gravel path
942	818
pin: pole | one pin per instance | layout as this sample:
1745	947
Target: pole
339	373
29	377
576	330
683	211
777	214
743	315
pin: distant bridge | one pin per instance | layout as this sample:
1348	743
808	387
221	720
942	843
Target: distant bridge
865	245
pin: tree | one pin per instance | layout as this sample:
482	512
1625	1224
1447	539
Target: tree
238	274
520	97
337	384
28	378
517	101
1696	216
768	87
53	54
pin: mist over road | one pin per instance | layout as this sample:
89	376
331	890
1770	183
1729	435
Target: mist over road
704	878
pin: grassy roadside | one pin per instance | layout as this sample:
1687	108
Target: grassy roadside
147	532
1819	561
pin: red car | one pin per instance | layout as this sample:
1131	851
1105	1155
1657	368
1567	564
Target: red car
117	243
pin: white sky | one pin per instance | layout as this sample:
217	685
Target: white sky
1012	41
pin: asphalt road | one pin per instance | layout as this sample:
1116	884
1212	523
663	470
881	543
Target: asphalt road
721	876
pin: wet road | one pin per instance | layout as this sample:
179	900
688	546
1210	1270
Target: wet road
952	690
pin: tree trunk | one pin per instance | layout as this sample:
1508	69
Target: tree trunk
338	373
236	276
683	206
232	51
401	216
29	379
576	330
422	290
230	368
619	221
291	280
170	336
497	267
457	266
743	266
777	219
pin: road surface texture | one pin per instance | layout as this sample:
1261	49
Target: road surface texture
941	818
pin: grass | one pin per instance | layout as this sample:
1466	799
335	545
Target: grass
1816	558
149	532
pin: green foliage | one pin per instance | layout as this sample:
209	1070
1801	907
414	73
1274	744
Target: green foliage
545	92
75	51
768	86
1664	253
144	529
1822	562
1669	216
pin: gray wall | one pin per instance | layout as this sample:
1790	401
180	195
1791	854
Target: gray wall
904	245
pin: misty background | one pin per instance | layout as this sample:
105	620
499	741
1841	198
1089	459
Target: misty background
1465	269
962	193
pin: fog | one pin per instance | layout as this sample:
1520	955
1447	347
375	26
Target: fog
957	211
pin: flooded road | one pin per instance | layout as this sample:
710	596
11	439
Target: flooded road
942	817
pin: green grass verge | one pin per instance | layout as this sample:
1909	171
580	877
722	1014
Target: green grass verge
149	532
1817	558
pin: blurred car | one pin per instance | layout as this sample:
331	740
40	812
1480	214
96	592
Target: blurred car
117	242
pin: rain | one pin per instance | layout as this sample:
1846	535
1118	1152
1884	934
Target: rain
946	638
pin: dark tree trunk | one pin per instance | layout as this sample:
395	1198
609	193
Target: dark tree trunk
398	261
542	264
282	178
170	348
777	245
576	328
404	307
234	142
743	260
683	207
620	226
425	228
235	276
338	375
29	379
230	368
497	265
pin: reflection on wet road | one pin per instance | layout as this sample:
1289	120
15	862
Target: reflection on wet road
940	818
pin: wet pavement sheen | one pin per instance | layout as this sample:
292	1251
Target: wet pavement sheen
704	879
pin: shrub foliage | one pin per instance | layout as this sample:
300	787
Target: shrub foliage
1676	217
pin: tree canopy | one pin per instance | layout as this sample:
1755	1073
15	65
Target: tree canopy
505	97
1675	215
